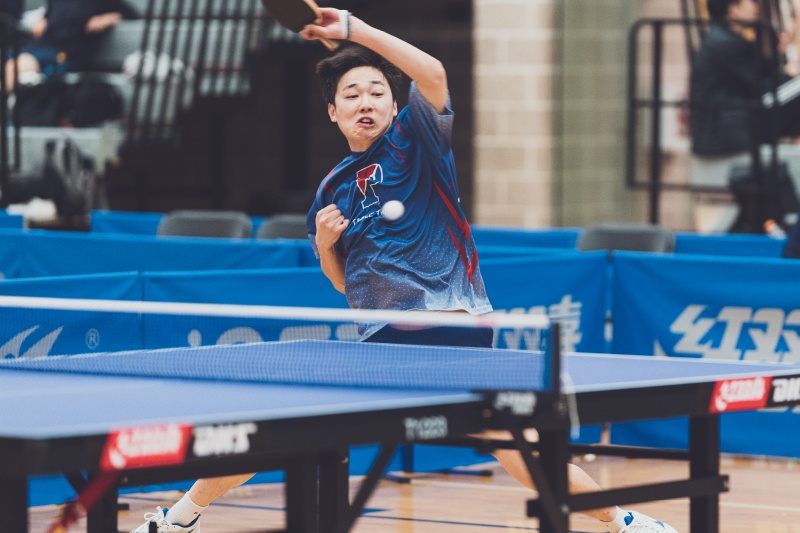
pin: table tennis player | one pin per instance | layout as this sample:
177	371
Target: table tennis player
426	258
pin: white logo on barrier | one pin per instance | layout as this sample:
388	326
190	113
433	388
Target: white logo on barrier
568	314
42	347
243	335
734	333
92	339
226	439
427	428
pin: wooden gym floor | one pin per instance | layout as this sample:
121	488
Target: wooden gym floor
764	498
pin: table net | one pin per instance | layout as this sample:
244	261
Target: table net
271	344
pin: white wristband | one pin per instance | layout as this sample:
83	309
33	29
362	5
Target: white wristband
344	22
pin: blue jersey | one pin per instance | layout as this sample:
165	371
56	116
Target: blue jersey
426	259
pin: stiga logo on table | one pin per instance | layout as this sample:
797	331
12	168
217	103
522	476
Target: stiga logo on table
740	394
146	446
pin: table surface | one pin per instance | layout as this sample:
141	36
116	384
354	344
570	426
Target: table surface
56	397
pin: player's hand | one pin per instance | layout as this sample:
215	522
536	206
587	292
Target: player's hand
330	226
39	28
99	23
330	27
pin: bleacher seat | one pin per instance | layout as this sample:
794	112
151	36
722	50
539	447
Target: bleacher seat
284	226
206	223
613	236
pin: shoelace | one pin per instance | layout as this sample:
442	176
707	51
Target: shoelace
643	527
157	517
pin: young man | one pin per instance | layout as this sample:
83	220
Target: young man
792	247
732	78
67	36
425	259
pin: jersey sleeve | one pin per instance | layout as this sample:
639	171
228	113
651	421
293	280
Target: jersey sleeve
311	221
425	124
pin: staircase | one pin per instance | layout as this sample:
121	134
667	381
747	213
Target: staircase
191	120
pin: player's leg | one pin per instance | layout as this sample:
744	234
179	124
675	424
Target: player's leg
183	517
205	491
614	518
27	64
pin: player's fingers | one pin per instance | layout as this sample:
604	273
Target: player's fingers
336	225
334	222
341	225
317	33
328	213
330	27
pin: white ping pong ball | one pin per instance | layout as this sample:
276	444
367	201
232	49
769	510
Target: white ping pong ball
393	209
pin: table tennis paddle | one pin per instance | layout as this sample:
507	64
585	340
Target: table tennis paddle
295	14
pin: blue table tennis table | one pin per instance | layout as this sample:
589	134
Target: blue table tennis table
176	414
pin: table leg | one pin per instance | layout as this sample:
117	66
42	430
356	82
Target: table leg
301	495
554	457
103	516
334	488
14	504
704	448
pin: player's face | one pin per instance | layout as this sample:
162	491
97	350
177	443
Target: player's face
746	10
364	107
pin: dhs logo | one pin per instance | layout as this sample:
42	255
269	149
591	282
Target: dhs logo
366	179
225	439
738	333
785	391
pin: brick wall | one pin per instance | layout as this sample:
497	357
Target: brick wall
550	108
514	70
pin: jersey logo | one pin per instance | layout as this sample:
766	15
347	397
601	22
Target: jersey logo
366	179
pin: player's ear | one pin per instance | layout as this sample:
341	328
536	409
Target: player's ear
332	112
394	110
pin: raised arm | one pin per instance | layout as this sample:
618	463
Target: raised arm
421	67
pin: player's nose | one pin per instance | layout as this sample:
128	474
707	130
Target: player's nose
366	104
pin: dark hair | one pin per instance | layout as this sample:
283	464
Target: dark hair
718	9
331	69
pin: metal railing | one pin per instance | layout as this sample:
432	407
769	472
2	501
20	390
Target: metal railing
196	48
655	103
10	39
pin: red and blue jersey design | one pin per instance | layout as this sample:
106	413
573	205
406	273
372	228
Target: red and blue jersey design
425	260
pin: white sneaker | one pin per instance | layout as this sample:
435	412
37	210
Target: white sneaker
639	523
162	526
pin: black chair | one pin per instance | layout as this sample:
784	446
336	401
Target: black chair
203	223
284	226
627	236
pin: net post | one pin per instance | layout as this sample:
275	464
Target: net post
553	363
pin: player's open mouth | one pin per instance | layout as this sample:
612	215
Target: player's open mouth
367	121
